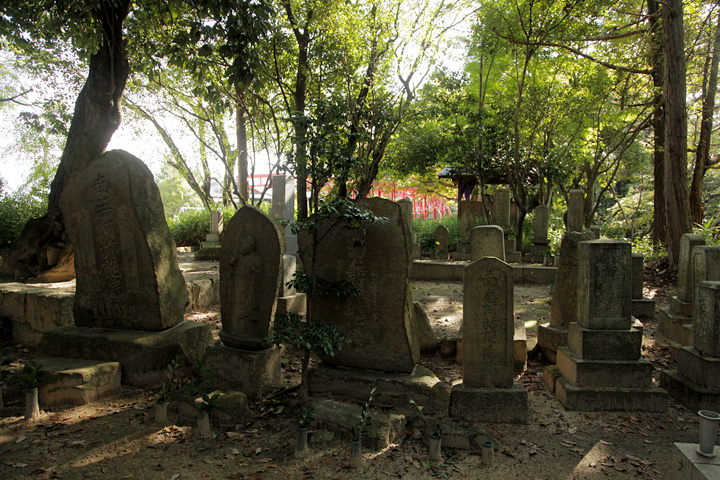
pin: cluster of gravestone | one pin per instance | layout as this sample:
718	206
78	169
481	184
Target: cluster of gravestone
131	297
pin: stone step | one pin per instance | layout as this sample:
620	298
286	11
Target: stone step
77	382
604	373
592	344
689	393
604	399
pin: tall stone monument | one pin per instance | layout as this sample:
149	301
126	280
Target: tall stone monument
540	241
671	320
467	223
696	381
563	308
575	211
250	273
488	392
130	296
487	241
601	369
283	208
641	307
406	205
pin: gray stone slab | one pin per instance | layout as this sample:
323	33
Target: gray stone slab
255	373
143	356
576	211
550	338
637	276
487	241
688	393
604	373
706	322
442	237
686	282
604	344
701	369
421	385
488	324
643	308
689	465
563	308
599	399
671	323
127	274
77	382
489	404
604	278
540	227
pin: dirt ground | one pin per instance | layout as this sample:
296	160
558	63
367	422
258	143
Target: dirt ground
116	439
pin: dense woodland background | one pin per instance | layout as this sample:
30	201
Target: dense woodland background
615	98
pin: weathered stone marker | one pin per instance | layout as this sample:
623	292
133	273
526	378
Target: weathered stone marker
125	259
378	322
540	230
601	369
488	328
406	205
641	307
696	381
563	308
501	209
575	211
283	208
672	320
249	279
487	241
442	238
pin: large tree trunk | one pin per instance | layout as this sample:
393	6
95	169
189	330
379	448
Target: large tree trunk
677	208
702	156
96	117
659	231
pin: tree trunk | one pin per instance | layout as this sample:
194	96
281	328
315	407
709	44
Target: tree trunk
659	234
702	156
677	208
242	153
96	117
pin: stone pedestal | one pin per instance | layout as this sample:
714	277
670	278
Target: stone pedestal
490	404
143	356
255	373
689	465
601	367
77	382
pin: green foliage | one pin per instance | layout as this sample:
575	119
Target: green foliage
199	384
190	227
15	211
208	402
643	244
425	229
172	383
290	328
359	429
305	417
31	375
710	229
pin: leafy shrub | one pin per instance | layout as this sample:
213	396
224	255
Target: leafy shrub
189	228
425	229
15	211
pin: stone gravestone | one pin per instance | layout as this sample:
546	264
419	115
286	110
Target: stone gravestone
378	322
575	211
641	307
672	320
501	209
210	248
601	369
563	308
283	208
467	223
540	231
250	273
406	205
249	279
487	241
696	381
488	329
125	260
130	296
442	238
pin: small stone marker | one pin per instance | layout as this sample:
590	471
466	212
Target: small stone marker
378	322
467	223
283	208
406	205
249	279
501	209
442	238
488	392
706	324
540	229
637	276
125	259
487	241
576	211
212	238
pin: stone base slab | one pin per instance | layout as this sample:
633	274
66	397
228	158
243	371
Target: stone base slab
686	335
490	405
255	373
699	368
591	344
143	356
232	408
643	308
550	376
604	399
340	417
681	307
513	257
689	393
604	373
397	389
203	292
291	304
550	338
77	382
670	324
690	465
